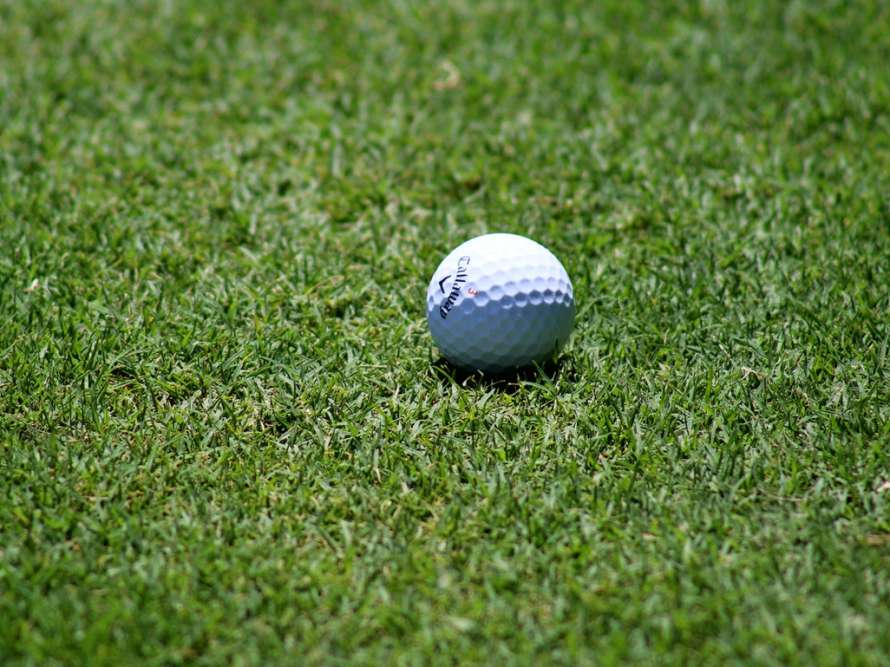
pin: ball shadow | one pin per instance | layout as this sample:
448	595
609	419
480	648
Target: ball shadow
508	382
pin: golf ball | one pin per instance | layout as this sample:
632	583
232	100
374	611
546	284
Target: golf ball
500	301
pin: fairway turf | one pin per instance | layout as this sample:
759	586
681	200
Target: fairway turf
226	436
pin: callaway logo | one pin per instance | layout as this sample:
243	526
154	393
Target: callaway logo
460	278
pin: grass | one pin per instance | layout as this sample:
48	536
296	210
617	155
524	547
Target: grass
226	436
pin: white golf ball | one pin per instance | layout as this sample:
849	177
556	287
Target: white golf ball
500	301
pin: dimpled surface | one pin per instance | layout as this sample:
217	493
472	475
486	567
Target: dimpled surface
500	301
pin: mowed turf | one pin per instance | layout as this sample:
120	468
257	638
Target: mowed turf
226	436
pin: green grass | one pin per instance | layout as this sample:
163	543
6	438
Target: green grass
226	437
